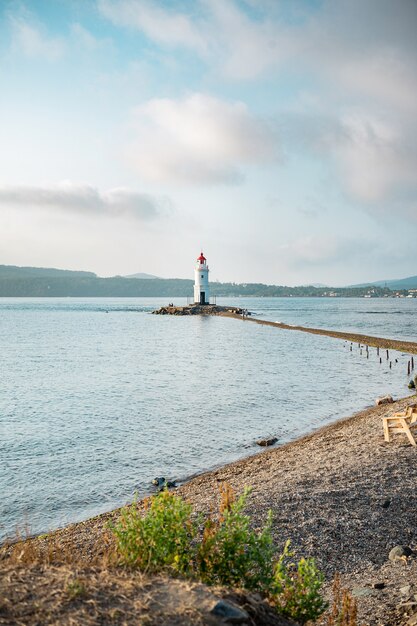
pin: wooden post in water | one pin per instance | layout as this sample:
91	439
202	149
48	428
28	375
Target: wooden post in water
390	364
377	351
412	362
408	368
387	355
380	359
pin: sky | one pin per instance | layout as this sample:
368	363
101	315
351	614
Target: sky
278	136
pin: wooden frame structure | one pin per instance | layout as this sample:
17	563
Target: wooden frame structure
401	422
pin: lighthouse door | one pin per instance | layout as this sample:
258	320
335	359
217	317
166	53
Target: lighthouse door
202	297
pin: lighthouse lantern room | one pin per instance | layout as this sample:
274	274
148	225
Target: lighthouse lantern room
201	282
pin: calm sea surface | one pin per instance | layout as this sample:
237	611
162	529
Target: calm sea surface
98	396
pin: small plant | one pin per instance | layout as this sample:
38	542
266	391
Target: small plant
76	589
232	554
160	539
343	611
296	587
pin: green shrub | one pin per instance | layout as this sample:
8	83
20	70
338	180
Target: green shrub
229	553
232	554
160	539
296	588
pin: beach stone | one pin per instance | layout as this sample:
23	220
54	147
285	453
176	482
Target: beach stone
162	483
384	400
400	553
267	442
229	612
360	592
378	585
159	481
411	384
406	590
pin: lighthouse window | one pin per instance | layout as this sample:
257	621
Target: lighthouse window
202	275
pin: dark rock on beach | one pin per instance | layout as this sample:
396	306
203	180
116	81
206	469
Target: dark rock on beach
162	483
267	442
400	553
384	400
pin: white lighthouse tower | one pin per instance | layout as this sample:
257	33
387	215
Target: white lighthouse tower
201	282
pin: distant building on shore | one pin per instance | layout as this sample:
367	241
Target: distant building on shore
201	281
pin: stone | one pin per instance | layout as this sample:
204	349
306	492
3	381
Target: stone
359	592
411	384
229	612
159	481
384	400
378	585
400	553
162	483
412	621
267	442
406	590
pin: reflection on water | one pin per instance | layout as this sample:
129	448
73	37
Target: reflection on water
98	396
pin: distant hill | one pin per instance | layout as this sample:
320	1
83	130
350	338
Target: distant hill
49	282
142	275
13	271
400	283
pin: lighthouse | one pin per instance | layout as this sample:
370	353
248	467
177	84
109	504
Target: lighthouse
201	281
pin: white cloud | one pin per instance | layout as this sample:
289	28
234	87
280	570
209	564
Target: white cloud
29	40
199	139
375	158
161	25
86	200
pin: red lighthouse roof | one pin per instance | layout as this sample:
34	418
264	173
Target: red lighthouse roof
201	258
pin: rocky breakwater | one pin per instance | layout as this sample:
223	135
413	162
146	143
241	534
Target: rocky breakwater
200	309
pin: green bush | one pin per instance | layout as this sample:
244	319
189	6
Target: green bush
160	539
229	553
232	554
296	587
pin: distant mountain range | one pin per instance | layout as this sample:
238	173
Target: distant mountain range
141	275
14	271
400	283
49	282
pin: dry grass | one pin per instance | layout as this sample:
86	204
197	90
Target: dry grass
343	611
66	595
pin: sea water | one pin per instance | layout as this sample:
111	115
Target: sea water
98	396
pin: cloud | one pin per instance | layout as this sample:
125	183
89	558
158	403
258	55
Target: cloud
163	26
86	200
324	251
199	139
32	42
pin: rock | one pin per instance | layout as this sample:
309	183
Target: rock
359	592
406	590
400	553
159	482
162	483
384	400
411	384
267	442
229	612
412	621
378	585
